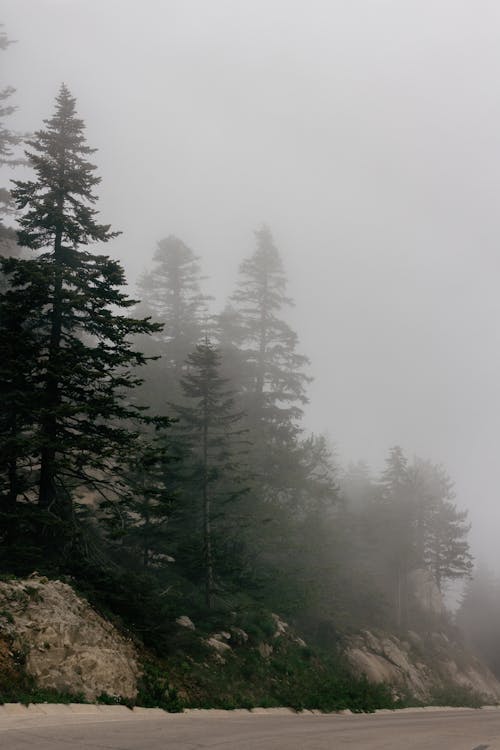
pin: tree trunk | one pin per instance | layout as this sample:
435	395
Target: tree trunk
261	368
209	572
12	469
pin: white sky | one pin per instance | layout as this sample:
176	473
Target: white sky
367	134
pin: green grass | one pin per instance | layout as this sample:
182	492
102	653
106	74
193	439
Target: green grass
292	676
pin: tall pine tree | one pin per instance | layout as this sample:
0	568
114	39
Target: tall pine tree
84	369
171	294
9	139
210	427
271	379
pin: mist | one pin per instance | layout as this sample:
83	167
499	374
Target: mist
366	135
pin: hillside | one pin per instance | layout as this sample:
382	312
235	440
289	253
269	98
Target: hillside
56	646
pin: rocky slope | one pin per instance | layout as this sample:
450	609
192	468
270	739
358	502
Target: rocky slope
419	668
424	663
67	645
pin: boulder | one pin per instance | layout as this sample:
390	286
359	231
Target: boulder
68	646
185	622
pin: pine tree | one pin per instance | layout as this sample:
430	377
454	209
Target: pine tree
440	528
19	350
170	293
271	378
210	427
8	138
417	527
140	522
479	616
394	479
447	551
396	525
277	385
84	425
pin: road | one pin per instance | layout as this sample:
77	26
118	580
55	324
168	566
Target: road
440	730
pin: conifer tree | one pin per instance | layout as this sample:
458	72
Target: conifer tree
276	389
396	529
440	528
83	426
447	550
171	290
170	293
140	521
417	526
19	350
478	616
8	138
210	428
271	379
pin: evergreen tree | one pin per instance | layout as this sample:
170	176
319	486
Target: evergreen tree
416	526
276	389
271	378
171	291
394	479
140	521
440	528
397	531
447	550
171	294
19	350
8	138
82	427
479	616
210	427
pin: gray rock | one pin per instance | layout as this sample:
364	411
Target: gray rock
68	645
185	622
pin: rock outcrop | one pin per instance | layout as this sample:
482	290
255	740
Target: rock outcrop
420	668
67	645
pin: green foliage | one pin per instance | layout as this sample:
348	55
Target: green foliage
457	695
114	700
267	369
66	335
134	600
258	624
209	427
155	689
9	139
482	595
292	676
28	692
406	521
170	292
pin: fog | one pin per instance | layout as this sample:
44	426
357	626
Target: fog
366	133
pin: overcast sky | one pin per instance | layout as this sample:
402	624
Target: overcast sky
366	133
